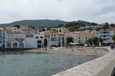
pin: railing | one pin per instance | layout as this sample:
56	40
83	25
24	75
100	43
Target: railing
102	66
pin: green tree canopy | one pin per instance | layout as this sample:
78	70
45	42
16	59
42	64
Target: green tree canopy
69	40
18	26
94	41
113	37
33	27
60	25
106	26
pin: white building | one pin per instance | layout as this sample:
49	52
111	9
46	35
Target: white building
11	37
56	39
2	39
106	35
14	40
34	40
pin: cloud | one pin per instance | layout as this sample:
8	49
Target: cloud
89	10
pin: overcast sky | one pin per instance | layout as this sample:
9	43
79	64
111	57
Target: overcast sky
69	10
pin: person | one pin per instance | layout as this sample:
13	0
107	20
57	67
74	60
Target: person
82	50
112	47
95	50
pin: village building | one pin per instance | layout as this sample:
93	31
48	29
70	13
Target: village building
55	39
26	37
81	36
106	35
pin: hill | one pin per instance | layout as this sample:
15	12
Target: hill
36	23
51	23
76	25
39	23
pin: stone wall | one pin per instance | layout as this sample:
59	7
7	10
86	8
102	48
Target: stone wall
102	66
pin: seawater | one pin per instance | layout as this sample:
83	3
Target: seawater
39	64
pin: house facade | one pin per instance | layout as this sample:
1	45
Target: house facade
2	39
55	39
81	36
11	37
106	35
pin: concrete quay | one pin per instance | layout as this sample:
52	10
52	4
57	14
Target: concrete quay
102	66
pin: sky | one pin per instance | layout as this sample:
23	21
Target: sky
99	11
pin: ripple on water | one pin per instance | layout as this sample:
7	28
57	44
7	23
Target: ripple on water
38	64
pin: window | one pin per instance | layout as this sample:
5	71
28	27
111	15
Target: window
105	32
3	37
53	39
104	39
0	41
0	35
79	37
29	35
3	41
37	37
86	38
104	35
54	34
41	37
39	41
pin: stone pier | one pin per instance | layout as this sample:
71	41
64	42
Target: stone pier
102	66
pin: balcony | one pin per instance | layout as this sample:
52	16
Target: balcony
19	39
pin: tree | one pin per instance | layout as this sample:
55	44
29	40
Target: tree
113	37
69	40
18	26
45	42
112	25
94	41
106	26
48	28
100	40
33	27
60	25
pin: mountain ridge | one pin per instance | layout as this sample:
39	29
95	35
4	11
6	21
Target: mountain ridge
48	23
37	23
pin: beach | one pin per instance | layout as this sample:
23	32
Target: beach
73	50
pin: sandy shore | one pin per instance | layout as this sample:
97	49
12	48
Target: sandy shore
74	50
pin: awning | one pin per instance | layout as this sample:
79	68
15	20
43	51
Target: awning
73	43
